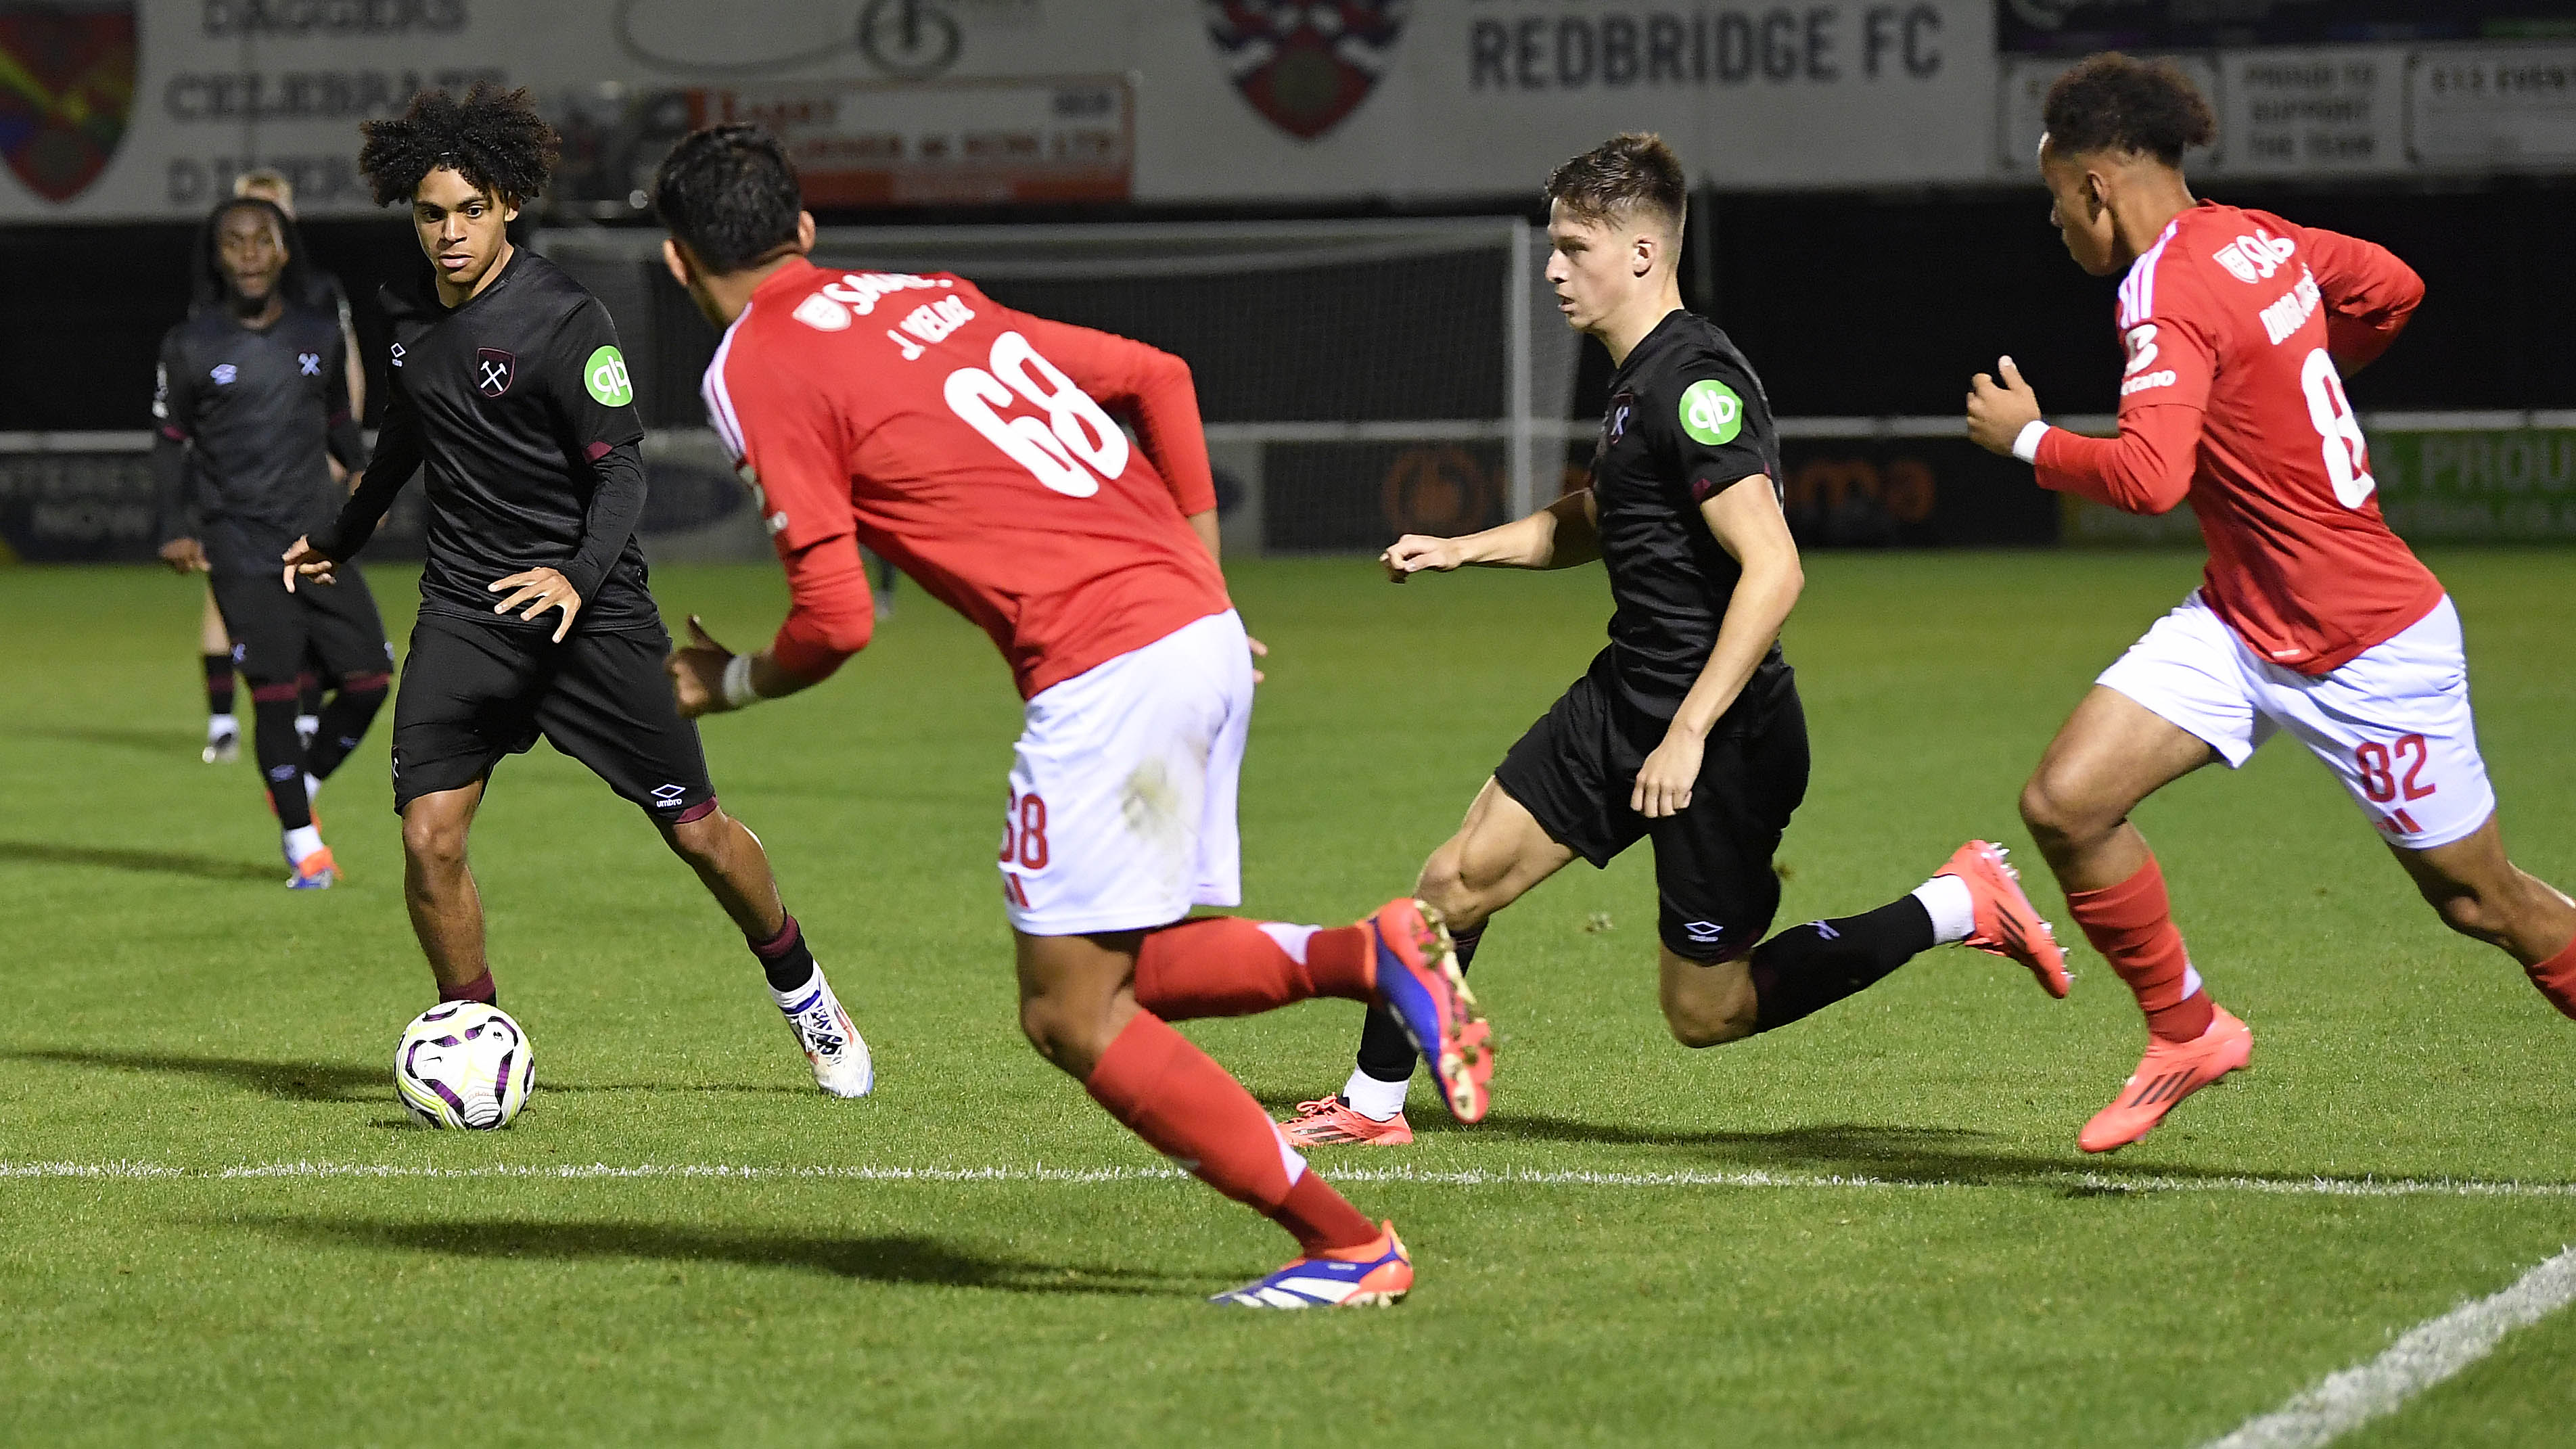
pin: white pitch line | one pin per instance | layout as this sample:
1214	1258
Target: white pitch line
1499	1177
2429	1353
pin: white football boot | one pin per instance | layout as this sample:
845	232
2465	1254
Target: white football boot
829	1041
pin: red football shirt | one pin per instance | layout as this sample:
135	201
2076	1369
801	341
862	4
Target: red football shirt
2239	326
974	448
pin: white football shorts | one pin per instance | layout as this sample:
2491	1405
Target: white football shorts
1121	814
2393	722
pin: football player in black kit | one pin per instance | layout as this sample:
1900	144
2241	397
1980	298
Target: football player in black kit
251	394
308	286
506	384
1686	731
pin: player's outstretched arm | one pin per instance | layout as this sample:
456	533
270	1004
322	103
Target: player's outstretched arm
2147	469
397	457
1745	518
1561	535
831	616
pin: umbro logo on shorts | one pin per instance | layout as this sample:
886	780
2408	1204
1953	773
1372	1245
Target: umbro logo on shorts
1703	933
666	797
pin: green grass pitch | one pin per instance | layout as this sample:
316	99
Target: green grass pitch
1883	1234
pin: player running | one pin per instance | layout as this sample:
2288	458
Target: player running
1687	728
969	445
507	383
2311	615
253	395
308	286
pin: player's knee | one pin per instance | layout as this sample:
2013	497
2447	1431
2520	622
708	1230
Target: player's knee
1064	1032
1707	1004
1443	882
2465	909
2057	811
432	838
700	841
1705	1024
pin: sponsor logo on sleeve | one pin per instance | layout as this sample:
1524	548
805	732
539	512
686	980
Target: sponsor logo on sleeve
822	313
2251	259
1711	412
2141	342
605	375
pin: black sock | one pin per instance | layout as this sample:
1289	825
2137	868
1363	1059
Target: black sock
219	684
1386	1053
280	751
1807	968
784	958
345	719
308	694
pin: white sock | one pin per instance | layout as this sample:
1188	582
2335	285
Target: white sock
302	841
312	791
1377	1101
308	725
1953	910
219	725
789	1001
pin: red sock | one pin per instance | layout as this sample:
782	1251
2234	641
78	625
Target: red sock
2556	978
479	989
2132	923
1228	966
1186	1108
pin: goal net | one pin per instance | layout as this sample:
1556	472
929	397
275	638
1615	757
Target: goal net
1359	379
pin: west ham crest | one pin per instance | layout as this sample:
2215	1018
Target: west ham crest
1305	65
492	369
66	84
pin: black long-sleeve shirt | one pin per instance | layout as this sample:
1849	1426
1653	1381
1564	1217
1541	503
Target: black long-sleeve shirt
518	405
258	407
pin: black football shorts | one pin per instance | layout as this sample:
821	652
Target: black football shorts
1715	888
473	692
275	632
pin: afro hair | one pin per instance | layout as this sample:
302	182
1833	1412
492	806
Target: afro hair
493	138
2114	102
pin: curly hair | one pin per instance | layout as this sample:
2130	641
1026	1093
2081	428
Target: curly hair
493	138
1632	170
729	193
2115	102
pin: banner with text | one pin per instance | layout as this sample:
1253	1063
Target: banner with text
119	109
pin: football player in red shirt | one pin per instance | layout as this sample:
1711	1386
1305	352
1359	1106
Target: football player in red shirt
2312	617
972	447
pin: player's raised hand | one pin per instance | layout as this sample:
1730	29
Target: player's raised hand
540	589
185	556
1664	782
305	561
697	671
1416	552
1999	410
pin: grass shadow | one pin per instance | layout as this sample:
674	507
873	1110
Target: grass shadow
171	742
337	1081
288	1081
898	1258
150	862
1860	1149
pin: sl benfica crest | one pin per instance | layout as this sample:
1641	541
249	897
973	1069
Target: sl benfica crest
66	85
1305	65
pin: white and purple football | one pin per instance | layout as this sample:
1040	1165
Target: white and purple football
464	1064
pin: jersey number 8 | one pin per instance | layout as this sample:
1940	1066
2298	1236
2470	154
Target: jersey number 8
2347	455
1075	431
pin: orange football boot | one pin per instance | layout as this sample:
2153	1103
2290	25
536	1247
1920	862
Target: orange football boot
1332	1122
2007	924
2171	1071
